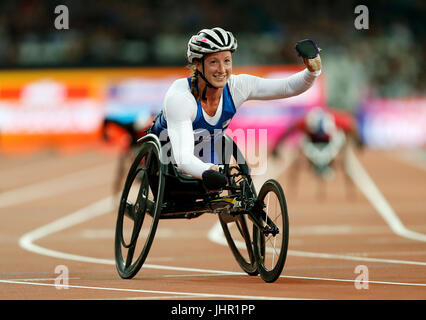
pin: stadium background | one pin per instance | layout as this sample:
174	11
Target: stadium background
56	86
376	73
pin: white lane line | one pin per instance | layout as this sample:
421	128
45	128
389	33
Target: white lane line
366	185
96	209
353	258
411	284
198	294
353	281
106	205
42	279
55	186
390	253
341	229
216	235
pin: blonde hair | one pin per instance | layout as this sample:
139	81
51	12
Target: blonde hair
194	80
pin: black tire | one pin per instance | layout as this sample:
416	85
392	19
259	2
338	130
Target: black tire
139	209
237	230
240	243
270	251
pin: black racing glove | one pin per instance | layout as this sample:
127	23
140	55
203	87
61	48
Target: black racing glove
214	180
307	48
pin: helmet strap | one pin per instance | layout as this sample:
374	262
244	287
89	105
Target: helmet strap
208	84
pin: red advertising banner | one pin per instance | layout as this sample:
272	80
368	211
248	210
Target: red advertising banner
66	108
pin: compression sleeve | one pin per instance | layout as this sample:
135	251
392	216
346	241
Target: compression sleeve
179	110
249	87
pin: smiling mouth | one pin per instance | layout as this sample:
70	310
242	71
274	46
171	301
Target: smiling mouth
220	77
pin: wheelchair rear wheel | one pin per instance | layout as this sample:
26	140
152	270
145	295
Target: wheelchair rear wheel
139	211
271	244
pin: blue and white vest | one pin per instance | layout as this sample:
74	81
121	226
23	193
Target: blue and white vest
203	131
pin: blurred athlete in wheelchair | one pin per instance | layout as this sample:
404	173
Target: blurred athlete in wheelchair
326	135
123	132
207	100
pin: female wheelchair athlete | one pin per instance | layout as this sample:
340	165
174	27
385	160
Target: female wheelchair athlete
155	189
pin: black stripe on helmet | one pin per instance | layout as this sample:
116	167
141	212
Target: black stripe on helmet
229	38
204	45
220	35
197	52
212	39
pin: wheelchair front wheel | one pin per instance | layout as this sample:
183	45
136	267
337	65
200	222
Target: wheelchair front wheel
271	243
237	229
139	211
238	236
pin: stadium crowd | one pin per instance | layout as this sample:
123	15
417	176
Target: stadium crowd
386	60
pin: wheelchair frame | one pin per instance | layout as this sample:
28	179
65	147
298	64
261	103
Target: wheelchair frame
169	187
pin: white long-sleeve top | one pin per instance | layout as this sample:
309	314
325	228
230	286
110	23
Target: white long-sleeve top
180	109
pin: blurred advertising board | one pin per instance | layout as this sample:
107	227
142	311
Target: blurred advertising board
393	123
65	108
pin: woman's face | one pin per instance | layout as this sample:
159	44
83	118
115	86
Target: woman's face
217	68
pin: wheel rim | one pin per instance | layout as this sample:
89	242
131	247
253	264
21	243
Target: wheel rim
138	212
239	243
271	248
272	244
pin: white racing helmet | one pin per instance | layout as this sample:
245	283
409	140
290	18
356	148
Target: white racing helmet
208	41
319	121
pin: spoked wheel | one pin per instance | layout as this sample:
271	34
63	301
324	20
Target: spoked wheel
237	228
139	211
239	241
271	243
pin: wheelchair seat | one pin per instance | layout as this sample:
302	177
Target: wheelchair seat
178	185
181	186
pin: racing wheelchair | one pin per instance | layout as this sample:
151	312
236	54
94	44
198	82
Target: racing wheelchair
155	189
